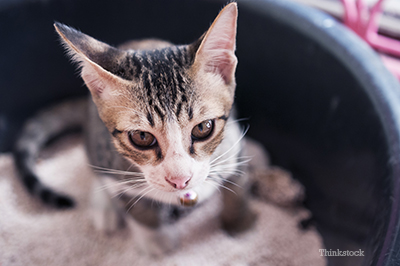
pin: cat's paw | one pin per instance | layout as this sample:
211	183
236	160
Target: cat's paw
236	216
240	223
277	185
155	243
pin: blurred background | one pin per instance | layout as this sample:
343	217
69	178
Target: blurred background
314	93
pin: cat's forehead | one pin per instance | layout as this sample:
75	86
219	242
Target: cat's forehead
167	61
161	80
163	59
165	87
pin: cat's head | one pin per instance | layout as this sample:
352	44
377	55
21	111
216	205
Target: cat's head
166	108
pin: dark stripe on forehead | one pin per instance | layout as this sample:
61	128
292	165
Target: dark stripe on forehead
125	70
150	119
190	113
184	98
178	110
144	59
159	113
146	82
129	65
162	75
137	65
182	53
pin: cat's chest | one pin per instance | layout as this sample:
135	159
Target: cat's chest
155	214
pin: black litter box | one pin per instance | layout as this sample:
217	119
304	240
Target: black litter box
314	94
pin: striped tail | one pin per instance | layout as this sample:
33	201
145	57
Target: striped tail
40	130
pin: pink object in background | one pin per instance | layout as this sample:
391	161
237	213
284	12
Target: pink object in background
364	22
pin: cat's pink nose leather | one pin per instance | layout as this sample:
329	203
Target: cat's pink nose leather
178	182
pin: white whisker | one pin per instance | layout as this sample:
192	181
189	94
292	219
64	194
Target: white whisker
219	185
230	167
104	170
240	160
226	168
233	146
144	192
118	173
213	183
225	187
130	166
226	159
135	186
231	182
216	177
236	120
120	183
155	197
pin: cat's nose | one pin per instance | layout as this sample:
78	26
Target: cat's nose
178	182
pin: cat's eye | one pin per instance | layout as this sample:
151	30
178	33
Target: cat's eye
203	130
142	139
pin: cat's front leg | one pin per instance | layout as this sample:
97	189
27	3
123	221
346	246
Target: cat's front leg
236	215
104	210
154	233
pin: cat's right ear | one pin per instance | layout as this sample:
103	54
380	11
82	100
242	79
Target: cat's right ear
216	53
94	57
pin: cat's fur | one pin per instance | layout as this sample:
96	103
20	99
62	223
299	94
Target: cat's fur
150	86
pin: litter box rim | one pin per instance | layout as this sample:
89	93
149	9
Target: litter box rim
381	87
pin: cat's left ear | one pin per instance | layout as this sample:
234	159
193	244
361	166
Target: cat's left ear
216	53
98	60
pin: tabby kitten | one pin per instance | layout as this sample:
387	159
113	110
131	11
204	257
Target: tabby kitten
158	126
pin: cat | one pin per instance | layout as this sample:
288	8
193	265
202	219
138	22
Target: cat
159	126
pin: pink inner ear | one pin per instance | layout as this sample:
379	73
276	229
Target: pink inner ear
222	63
92	79
218	48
